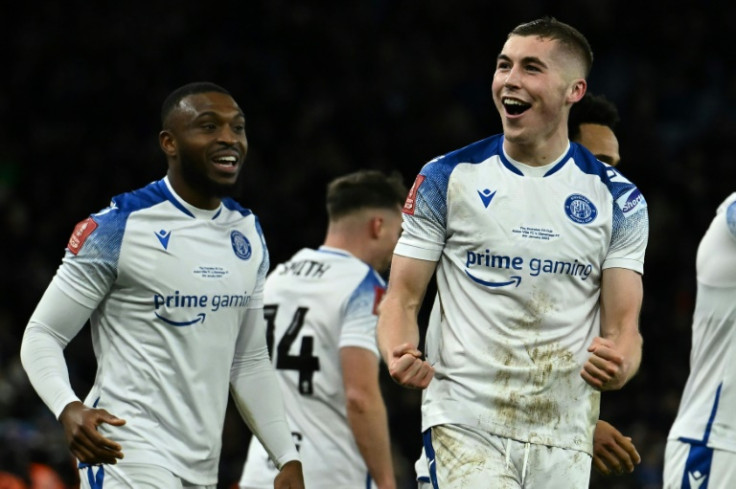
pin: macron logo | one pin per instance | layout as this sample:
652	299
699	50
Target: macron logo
696	479
163	238
486	196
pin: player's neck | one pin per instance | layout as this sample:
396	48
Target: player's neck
192	196
353	243
537	153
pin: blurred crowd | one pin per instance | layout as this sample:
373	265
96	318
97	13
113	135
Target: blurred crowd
327	88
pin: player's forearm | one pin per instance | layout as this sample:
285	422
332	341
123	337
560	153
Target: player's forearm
397	320
369	423
43	360
630	345
621	300
257	396
397	324
55	321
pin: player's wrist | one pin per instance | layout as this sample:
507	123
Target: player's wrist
292	464
388	484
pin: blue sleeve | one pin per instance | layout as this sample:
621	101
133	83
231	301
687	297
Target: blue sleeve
731	219
361	314
90	265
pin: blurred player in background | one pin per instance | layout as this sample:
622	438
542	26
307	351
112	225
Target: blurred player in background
592	123
701	446
171	278
539	250
321	308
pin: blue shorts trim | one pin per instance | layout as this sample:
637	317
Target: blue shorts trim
697	467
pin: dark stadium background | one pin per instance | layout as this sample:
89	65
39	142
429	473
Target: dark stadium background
327	88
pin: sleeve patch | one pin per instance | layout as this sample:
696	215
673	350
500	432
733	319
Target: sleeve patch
377	296
731	218
411	199
631	202
80	234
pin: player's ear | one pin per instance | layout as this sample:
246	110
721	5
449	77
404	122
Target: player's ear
167	142
376	226
577	90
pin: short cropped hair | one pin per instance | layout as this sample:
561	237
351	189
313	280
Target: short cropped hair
173	99
567	35
364	189
591	109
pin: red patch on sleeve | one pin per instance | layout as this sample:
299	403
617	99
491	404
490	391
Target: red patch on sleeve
377	296
80	234
411	199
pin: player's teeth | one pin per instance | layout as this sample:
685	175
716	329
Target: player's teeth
226	159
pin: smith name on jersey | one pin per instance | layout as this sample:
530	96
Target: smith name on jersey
521	250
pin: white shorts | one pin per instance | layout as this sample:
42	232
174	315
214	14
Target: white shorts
322	468
132	476
422	471
461	457
691	465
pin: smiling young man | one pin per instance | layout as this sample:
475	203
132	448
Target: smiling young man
538	250
171	279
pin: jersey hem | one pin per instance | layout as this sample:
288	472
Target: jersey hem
436	419
713	443
181	471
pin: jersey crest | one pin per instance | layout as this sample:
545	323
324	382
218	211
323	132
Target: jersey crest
241	245
580	209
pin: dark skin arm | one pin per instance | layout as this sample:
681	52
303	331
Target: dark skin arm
85	442
290	476
613	453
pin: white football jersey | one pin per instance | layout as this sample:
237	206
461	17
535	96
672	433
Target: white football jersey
170	285
520	252
316	303
706	412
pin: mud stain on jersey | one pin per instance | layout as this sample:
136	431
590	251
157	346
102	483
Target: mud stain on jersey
552	362
535	310
503	375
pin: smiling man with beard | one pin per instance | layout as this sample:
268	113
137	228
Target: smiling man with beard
150	272
204	160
